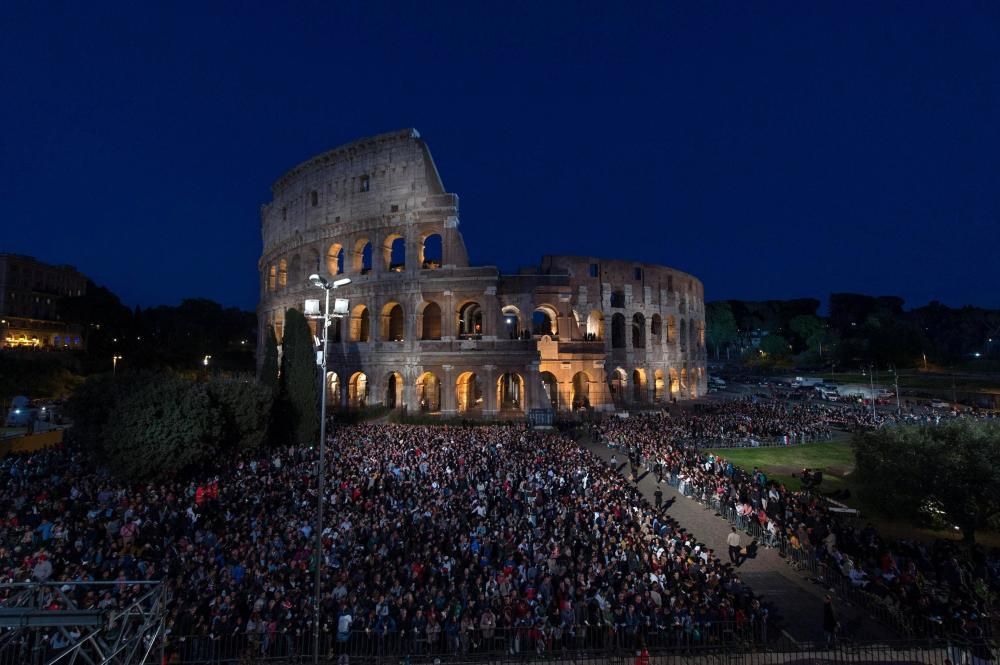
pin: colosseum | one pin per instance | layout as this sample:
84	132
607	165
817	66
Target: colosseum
427	331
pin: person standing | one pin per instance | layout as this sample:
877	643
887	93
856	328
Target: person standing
830	623
659	497
733	540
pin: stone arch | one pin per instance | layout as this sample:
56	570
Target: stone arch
360	324
335	259
392	326
429	392
394	390
429	320
394	253
357	390
684	381
272	278
336	336
581	390
295	270
659	386
618	382
511	322
362	257
655	329
282	273
683	335
510	392
617	298
332	390
468	393
617	330
701	334
675	383
638	385
551	387
431	251
638	331
313	264
595	325
545	321
671	329
470	319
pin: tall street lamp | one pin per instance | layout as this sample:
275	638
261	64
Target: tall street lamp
340	308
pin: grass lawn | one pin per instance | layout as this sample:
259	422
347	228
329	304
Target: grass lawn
836	460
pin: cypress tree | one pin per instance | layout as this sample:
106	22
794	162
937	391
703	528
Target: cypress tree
269	366
298	384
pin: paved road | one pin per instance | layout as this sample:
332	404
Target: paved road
798	601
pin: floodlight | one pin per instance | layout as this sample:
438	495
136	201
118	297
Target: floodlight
342	282
340	306
319	281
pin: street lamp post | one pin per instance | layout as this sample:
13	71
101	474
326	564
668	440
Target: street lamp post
322	283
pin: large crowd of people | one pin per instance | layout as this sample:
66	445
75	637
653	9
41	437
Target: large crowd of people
936	582
436	540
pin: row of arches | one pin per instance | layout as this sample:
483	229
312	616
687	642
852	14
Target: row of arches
356	258
670	384
687	334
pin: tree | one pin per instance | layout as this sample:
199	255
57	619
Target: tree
775	346
162	428
269	366
298	385
720	325
954	467
246	412
808	329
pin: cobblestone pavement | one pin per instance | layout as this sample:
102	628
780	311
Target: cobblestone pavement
797	600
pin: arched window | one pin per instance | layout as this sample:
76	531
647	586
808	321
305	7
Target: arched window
511	322
430	324
618	331
595	325
671	330
428	392
468	392
655	329
683	336
638	385
363	256
510	392
543	322
282	273
360	324
394	253
638	331
581	390
551	387
357	390
392	329
431	252
295	271
272	278
470	320
394	390
335	259
617	298
659	386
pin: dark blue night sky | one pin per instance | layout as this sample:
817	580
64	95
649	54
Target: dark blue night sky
773	149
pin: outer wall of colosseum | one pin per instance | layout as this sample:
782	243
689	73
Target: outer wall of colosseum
429	331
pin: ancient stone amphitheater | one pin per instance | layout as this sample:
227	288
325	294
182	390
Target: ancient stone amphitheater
429	332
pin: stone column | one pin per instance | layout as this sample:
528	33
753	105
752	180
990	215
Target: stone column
448	391
489	387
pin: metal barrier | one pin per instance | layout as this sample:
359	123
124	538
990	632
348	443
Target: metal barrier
395	649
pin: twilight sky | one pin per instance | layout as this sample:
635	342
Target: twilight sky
774	149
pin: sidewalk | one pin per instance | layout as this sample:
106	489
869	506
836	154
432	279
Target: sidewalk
797	601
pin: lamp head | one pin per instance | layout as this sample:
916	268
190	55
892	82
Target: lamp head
342	282
319	281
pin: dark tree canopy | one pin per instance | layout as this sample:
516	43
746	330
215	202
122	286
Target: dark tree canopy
955	466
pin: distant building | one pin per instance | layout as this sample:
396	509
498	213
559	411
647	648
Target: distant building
30	293
428	331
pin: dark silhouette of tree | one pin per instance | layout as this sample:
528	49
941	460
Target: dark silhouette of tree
298	384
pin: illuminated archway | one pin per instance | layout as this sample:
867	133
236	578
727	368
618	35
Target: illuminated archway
335	259
659	386
544	322
511	322
360	324
357	390
394	390
362	256
431	253
595	325
551	387
468	393
618	382
332	390
675	383
392	325
510	392
394	253
470	320
581	390
639	385
428	392
429	320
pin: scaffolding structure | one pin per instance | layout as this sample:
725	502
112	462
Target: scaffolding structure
95	623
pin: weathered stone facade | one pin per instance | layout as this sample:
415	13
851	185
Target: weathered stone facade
429	331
